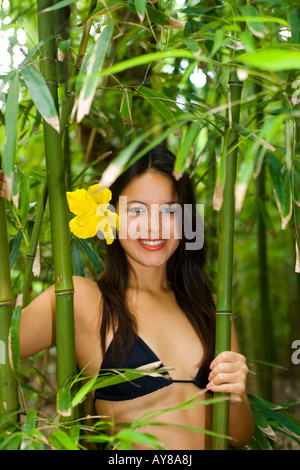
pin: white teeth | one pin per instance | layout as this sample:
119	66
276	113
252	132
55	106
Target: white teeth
152	242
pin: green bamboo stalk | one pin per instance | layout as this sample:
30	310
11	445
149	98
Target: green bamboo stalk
225	261
265	320
62	258
31	252
8	384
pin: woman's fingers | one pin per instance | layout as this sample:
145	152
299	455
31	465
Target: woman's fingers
227	356
228	374
3	189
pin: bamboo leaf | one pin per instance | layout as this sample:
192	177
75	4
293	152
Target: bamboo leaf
130	435
64	441
286	208
272	59
186	148
157	16
12	442
92	255
261	19
63	47
64	401
106	10
77	259
275	167
218	42
90	82
57	6
158	100
25	198
148	58
294	22
140	7
30	54
260	438
30	421
126	106
248	41
255	25
83	391
270	128
15	248
41	95
15	187
15	338
11	122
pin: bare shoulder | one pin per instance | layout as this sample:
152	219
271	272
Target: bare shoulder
85	286
86	291
87	298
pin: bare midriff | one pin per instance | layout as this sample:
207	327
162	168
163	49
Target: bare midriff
170	434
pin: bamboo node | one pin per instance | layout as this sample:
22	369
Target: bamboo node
66	292
223	313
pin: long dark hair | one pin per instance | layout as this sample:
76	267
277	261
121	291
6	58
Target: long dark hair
184	268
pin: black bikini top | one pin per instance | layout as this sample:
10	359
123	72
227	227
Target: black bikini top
139	355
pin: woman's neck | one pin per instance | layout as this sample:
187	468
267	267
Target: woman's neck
150	279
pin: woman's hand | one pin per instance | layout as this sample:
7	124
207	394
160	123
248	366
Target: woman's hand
228	374
3	191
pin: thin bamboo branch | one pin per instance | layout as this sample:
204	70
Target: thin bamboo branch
69	99
31	252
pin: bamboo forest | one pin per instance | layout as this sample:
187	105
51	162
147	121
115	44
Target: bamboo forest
85	86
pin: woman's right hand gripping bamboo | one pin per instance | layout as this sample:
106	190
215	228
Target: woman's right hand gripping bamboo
3	189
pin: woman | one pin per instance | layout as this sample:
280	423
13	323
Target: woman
151	305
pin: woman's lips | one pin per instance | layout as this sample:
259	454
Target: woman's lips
152	244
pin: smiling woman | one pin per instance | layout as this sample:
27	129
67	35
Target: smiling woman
151	309
157	309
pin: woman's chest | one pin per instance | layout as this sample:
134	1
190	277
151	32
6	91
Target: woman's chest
168	333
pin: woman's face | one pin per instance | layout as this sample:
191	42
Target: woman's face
147	210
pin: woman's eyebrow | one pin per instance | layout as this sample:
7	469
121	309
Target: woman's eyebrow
146	204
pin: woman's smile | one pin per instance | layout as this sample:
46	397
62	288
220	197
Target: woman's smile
152	244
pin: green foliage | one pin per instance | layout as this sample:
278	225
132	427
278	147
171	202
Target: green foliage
37	432
270	421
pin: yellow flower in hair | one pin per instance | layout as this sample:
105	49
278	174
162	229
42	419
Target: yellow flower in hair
93	215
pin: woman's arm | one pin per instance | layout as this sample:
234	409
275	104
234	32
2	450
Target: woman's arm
229	374
37	327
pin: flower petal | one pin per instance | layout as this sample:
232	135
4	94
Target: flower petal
99	195
111	217
101	209
84	226
79	203
106	229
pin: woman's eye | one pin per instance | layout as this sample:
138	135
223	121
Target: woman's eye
136	210
168	210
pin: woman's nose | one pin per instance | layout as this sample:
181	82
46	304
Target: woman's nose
154	221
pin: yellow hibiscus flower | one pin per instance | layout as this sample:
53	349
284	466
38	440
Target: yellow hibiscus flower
92	213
